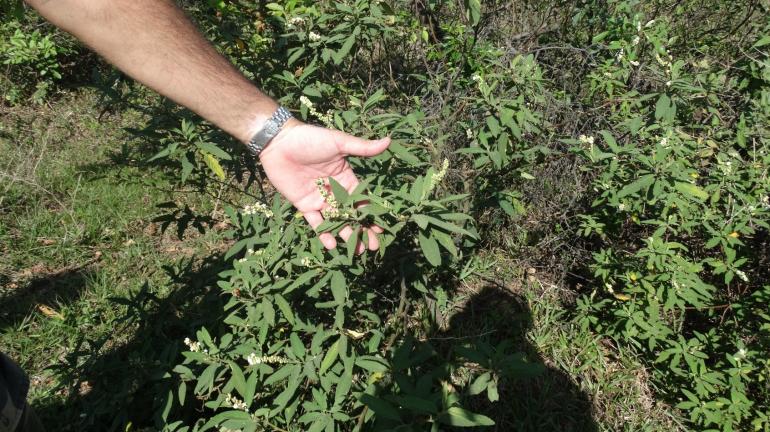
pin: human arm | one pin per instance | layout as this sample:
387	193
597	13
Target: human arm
154	42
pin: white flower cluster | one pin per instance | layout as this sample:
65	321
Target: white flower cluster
257	208
326	119
251	252
667	62
306	262
436	178
741	275
236	403
313	36
725	166
740	355
295	22
440	174
333	209
253	359
192	345
586	139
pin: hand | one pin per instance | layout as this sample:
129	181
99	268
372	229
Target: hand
301	154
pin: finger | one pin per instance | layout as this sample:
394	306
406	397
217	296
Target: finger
376	228
373	241
353	146
314	219
345	234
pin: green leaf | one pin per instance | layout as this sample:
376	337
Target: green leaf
691	190
330	357
301	280
239	381
206	379
430	249
281	374
339	287
295	55
297	347
312	91
600	37
474	11
665	109
285	396
445	225
214	165
380	407
765	40
285	308
163	153
214	150
479	384
339	191
402	153
610	141
351	243
415	403
372	364
492	393
461	417
446	241
340	54
319	424
642	182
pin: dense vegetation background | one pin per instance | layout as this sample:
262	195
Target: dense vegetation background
576	210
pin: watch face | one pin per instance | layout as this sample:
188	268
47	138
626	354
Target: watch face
269	130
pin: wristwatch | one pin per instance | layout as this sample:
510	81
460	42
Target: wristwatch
272	126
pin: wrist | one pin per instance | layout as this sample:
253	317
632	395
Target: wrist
256	121
268	130
279	139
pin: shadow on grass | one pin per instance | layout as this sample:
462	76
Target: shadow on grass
483	344
531	398
44	291
108	388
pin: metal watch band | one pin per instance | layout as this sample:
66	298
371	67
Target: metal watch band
272	126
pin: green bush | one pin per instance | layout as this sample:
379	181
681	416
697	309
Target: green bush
679	216
633	135
673	144
32	55
308	343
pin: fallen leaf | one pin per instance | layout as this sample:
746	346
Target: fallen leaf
49	312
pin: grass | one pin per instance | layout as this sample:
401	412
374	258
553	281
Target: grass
83	263
95	299
587	384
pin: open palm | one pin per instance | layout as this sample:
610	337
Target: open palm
300	154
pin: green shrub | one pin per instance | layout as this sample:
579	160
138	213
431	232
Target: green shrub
32	55
673	145
314	339
657	112
680	215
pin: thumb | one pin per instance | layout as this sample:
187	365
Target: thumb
353	146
